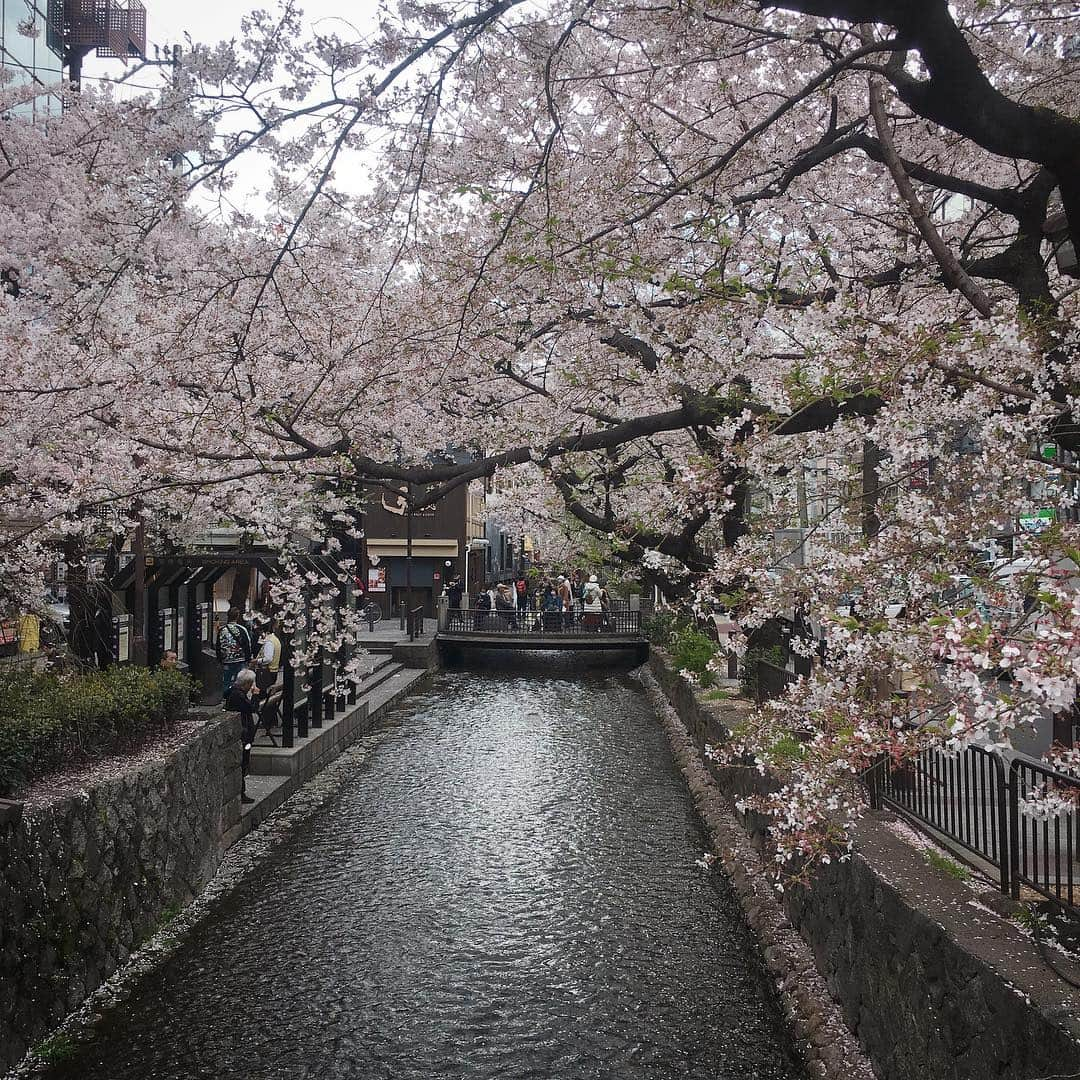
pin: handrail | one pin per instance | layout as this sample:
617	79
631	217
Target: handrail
514	621
1025	822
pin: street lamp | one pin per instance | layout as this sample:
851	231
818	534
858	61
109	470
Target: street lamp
477	544
1056	229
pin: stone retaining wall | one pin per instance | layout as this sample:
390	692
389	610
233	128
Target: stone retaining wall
86	877
934	984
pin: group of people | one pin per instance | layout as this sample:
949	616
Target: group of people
558	602
251	678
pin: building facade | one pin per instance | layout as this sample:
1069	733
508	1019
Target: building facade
443	537
29	54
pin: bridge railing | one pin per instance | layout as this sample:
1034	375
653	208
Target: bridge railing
543	623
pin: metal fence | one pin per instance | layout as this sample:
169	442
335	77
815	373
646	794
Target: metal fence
771	681
963	796
619	621
1024	822
1046	841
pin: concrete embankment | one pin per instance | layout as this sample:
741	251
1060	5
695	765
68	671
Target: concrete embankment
96	862
931	981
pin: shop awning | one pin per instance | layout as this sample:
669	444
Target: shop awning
425	548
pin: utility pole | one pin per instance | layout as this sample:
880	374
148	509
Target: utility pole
138	607
408	551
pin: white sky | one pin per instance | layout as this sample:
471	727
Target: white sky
218	20
210	21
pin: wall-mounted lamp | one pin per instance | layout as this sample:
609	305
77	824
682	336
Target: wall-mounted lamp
1056	230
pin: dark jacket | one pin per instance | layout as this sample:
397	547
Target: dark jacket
236	646
239	702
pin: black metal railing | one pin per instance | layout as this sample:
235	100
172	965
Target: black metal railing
619	621
1024	822
309	698
962	796
771	681
1044	817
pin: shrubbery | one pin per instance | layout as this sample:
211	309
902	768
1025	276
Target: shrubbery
691	647
661	626
48	720
692	651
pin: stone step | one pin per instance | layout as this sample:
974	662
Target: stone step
385	669
392	690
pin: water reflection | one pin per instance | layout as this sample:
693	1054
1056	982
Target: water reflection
506	888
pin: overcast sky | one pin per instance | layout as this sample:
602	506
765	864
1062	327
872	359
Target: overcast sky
209	21
217	20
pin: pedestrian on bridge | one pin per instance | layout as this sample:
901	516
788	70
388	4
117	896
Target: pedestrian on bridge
454	592
591	601
550	607
505	606
521	588
566	602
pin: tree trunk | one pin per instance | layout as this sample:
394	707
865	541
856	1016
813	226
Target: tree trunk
240	587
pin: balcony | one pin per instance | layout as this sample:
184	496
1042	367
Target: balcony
115	28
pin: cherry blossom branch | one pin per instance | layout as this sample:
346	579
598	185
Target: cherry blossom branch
950	266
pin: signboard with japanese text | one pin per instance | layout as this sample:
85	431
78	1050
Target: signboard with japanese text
1037	522
376	579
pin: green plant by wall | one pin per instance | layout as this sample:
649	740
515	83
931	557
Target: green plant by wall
48	720
787	750
1032	920
692	650
56	1049
662	625
947	865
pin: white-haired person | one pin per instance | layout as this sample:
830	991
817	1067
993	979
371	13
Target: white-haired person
591	599
242	699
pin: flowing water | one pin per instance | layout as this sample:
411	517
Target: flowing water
506	888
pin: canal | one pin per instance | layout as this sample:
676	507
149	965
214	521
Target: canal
507	887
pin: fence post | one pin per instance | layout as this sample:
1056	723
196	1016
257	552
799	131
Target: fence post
1010	833
288	696
315	696
873	782
403	610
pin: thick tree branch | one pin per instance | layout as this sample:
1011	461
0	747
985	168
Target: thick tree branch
959	96
951	269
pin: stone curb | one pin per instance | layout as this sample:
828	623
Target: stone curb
828	1047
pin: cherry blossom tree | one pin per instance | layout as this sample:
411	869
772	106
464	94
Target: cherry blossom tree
654	259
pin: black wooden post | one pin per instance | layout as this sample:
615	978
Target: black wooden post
408	551
288	697
315	697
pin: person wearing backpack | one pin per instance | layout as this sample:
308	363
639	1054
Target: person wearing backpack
233	650
591	600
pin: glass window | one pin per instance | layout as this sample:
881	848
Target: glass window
27	57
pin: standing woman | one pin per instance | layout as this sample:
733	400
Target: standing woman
566	602
241	700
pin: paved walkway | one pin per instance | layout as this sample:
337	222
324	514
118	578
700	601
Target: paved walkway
389	632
